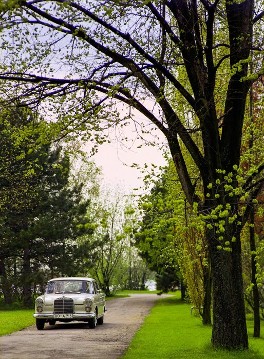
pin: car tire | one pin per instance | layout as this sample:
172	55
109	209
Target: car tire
93	322
100	320
40	323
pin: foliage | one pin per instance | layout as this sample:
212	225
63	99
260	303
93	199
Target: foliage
171	238
155	238
252	233
40	212
111	258
247	271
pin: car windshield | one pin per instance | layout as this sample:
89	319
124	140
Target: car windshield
69	286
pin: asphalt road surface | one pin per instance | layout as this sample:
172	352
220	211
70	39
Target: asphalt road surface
76	340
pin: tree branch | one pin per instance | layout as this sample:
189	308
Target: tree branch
175	39
108	52
258	17
249	182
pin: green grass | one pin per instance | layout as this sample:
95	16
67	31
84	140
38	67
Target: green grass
126	293
171	332
14	320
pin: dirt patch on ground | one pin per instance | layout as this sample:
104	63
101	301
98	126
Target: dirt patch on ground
76	340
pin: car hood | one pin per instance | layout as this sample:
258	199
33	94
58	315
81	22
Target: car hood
78	298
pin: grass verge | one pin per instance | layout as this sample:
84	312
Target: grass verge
14	320
170	332
126	293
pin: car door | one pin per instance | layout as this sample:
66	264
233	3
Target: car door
100	299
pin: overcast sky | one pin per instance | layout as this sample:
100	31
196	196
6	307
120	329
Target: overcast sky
138	142
116	159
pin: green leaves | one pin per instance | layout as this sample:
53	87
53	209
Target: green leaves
42	212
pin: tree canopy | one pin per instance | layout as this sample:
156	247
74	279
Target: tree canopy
39	210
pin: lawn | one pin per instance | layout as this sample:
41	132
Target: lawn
170	332
126	293
14	320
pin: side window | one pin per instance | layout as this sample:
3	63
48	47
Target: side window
92	290
87	287
50	288
95	287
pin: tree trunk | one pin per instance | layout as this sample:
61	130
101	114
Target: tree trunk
229	323
143	280
253	277
5	286
27	294
183	290
256	301
207	279
106	287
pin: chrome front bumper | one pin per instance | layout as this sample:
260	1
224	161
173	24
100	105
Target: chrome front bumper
61	317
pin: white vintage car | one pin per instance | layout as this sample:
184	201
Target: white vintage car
70	299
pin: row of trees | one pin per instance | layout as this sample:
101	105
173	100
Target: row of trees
71	234
114	260
52	221
177	230
40	209
172	240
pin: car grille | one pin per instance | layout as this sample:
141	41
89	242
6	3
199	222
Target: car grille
63	305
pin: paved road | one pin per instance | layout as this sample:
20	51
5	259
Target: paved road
77	340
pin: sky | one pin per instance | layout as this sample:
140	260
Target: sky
116	159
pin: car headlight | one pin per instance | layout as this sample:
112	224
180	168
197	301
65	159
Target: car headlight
88	304
39	305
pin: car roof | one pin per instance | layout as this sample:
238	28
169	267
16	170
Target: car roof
71	278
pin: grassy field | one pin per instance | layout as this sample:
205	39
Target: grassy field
14	320
126	293
170	332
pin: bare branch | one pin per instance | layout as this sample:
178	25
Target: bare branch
164	24
258	17
78	32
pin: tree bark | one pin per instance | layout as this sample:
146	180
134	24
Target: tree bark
26	275
255	290
229	320
206	313
5	286
183	290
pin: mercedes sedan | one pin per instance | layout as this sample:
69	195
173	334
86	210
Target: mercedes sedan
68	299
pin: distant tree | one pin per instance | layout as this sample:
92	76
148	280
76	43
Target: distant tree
154	238
110	241
253	233
133	264
40	212
172	239
112	258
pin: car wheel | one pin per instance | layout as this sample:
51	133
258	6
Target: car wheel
52	322
40	323
93	322
100	320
